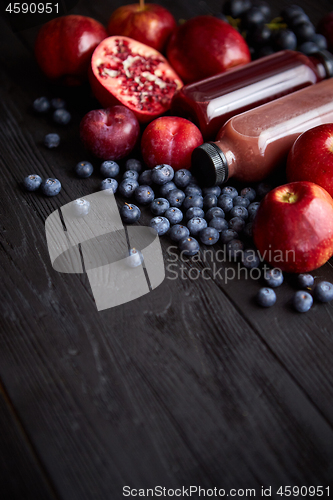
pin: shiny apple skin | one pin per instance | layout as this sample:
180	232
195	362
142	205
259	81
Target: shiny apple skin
170	140
110	134
293	228
205	46
311	157
325	27
152	24
64	46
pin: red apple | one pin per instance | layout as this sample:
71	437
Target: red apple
64	47
293	228
110	134
171	140
133	74
311	157
205	46
149	23
325	27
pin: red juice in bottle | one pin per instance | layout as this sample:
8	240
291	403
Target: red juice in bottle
209	103
252	144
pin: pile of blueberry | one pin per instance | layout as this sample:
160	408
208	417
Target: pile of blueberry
49	187
302	300
60	116
292	30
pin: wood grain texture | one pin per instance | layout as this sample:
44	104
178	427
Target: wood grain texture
190	384
20	472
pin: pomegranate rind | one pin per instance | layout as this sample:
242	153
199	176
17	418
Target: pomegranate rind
143	81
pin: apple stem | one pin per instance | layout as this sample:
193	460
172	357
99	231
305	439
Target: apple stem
142	4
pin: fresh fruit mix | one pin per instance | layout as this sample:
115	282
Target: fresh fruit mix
135	83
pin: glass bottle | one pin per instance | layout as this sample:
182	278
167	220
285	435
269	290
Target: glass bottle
209	103
252	144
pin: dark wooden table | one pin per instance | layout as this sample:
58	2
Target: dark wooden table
191	384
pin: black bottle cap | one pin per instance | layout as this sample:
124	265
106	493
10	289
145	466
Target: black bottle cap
209	165
326	58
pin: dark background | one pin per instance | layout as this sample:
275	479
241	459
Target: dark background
191	384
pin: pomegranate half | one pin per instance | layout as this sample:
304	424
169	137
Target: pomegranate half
125	71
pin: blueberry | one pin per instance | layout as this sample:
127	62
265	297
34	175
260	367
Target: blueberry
234	249
194	212
225	202
308	48
214	212
109	185
174	215
228	235
127	188
284	39
182	178
250	259
166	188
161	174
209	235
83	169
304	31
259	37
52	140
144	194
230	191
267	50
218	223
189	246
32	182
216	190
179	232
195	200
58	103
159	206
249	193
109	168
323	291
264	7
274	277
302	301
196	224
298	18
135	258
61	116
237	224
320	41
51	187
305	280
160	224
131	174
291	11
81	207
133	164
235	8
252	18
239	211
130	213
145	177
252	209
175	197
41	105
266	297
192	190
209	201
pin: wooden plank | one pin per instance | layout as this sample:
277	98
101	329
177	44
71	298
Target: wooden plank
21	475
190	384
173	388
